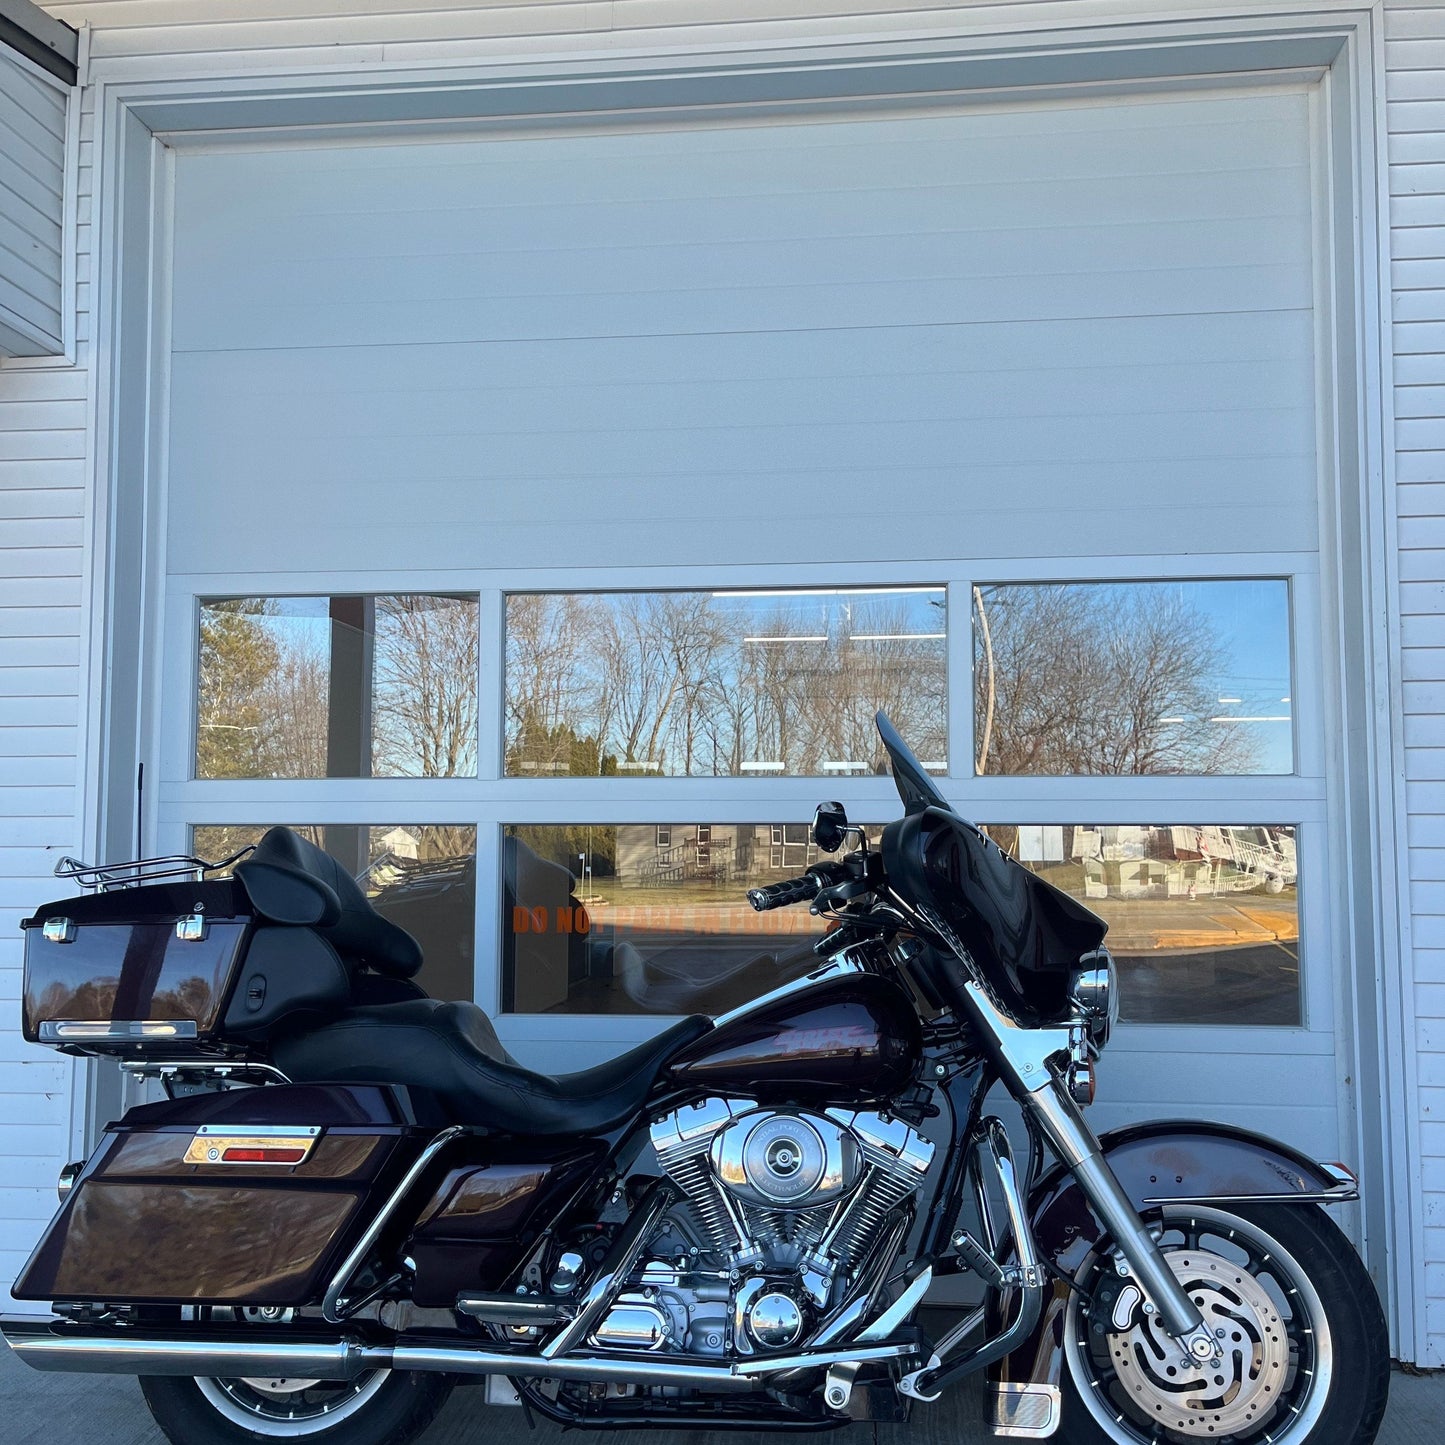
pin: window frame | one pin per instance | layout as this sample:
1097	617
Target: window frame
491	800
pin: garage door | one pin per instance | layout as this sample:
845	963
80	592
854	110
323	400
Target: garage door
548	508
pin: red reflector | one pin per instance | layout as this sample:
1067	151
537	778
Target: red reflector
234	1155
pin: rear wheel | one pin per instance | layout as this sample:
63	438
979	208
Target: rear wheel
1303	1360
379	1407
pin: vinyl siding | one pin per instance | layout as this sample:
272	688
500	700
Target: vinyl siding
1415	87
41	416
32	205
44	512
42	516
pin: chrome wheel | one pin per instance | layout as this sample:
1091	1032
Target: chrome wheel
289	1408
1271	1378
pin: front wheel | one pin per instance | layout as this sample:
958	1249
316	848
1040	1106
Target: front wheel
379	1407
1304	1350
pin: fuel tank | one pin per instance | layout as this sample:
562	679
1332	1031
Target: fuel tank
853	1038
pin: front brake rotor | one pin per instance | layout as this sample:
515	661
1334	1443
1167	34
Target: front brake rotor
1248	1374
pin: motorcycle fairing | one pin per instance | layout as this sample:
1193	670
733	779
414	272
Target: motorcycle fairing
1022	932
1163	1161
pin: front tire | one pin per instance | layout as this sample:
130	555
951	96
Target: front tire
381	1407
1305	1348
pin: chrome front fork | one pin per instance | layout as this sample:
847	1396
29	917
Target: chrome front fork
1023	1058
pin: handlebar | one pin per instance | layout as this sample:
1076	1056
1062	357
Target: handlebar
779	895
791	890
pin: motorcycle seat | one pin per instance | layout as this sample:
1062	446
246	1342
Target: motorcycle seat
452	1050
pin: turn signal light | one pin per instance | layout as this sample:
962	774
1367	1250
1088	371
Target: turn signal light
1083	1082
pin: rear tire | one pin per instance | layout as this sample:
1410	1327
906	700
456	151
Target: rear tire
1284	1282
383	1407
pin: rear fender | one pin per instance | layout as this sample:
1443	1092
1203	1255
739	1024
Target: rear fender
1160	1162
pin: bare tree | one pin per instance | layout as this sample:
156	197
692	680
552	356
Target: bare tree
1090	680
424	708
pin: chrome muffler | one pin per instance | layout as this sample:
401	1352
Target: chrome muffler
124	1350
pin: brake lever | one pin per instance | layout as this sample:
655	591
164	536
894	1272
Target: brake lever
833	897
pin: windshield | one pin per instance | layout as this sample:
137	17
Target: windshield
915	787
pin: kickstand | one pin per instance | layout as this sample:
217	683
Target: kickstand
526	1411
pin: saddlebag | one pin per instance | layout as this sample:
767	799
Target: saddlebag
250	1196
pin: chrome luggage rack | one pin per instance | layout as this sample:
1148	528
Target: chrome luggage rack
104	877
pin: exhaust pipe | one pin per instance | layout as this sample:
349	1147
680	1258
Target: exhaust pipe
140	1350
52	1345
130	1350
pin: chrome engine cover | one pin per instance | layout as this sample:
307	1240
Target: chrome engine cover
783	1204
782	1159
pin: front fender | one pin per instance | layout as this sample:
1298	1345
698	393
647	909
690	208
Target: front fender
1165	1161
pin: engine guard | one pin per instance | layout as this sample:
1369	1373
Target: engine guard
1160	1162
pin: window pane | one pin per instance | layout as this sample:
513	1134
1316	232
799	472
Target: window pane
1203	921
1133	677
739	683
338	687
649	918
422	877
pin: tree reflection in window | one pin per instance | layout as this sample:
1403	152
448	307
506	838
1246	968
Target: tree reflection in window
732	683
338	687
1132	678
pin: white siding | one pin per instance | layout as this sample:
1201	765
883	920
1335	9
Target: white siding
42	506
32	206
1415	60
44	511
204	35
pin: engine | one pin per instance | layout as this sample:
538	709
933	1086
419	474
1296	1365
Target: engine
784	1208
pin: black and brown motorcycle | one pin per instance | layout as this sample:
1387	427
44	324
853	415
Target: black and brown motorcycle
353	1197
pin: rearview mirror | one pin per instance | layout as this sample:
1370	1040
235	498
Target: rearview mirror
830	827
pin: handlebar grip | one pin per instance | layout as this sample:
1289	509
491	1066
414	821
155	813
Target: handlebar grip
779	895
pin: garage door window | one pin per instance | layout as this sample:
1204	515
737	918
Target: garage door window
740	683
1203	920
610	919
420	876
337	687
594	786
1121	678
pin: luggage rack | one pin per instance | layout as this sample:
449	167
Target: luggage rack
105	877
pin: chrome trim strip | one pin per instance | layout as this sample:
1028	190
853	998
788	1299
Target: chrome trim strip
1340	1194
842	966
333	1307
222	1068
78	1031
259	1131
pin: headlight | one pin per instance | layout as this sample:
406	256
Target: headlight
1095	992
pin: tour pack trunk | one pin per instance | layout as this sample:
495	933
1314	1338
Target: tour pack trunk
245	1197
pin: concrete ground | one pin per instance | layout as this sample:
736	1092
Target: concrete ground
38	1409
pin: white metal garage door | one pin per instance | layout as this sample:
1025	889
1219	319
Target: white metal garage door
964	353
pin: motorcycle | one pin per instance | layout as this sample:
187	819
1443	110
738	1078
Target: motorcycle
352	1197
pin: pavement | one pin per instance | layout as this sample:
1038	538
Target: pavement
40	1409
